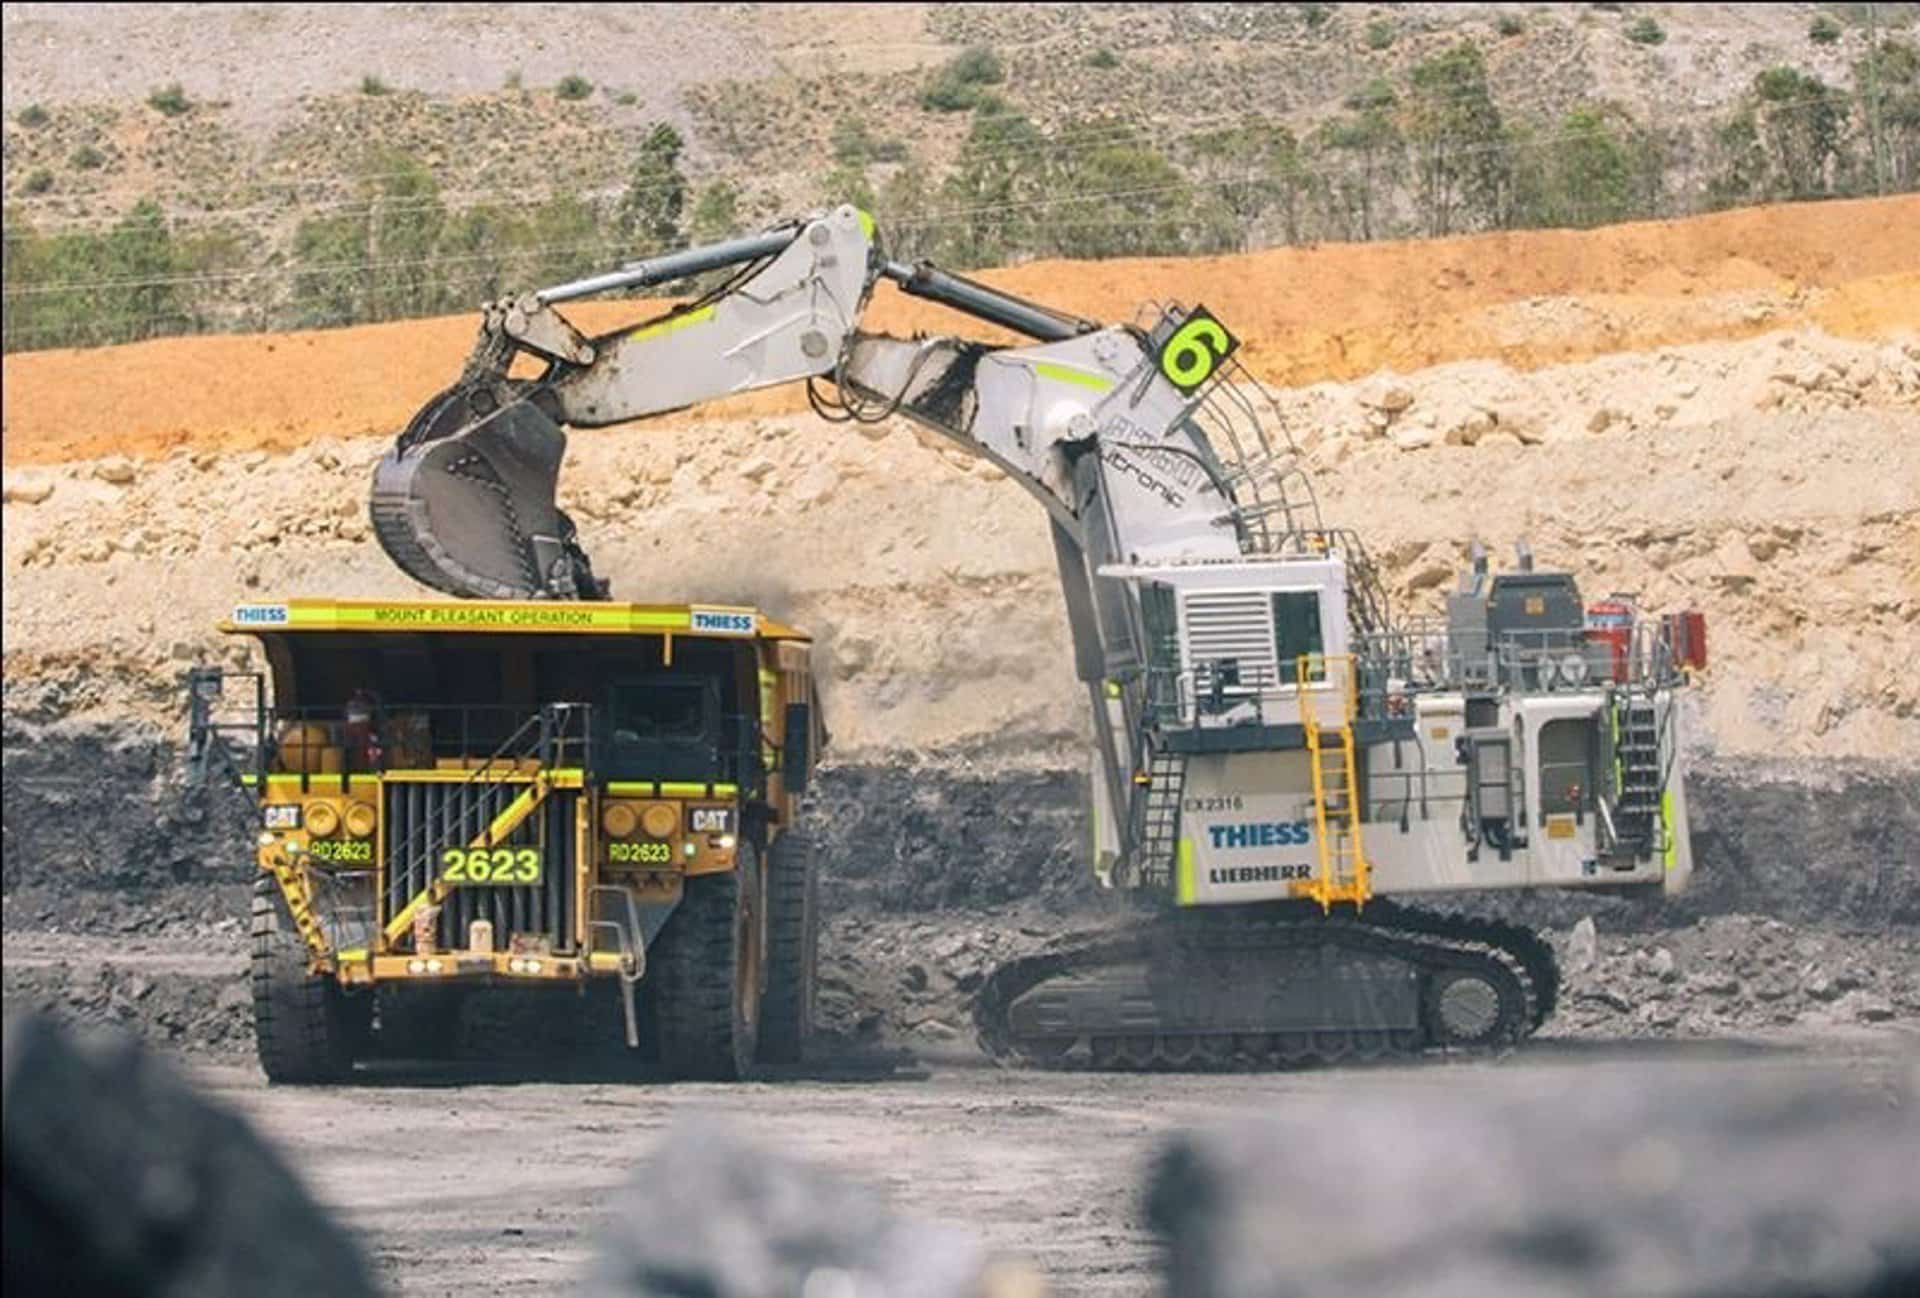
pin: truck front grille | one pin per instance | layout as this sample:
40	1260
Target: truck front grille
424	819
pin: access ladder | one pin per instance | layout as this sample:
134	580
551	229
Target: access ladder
1328	703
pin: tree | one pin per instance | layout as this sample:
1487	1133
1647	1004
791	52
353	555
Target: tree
1137	201
648	218
1887	84
1786	140
1594	168
905	213
1457	139
1245	171
990	193
1365	147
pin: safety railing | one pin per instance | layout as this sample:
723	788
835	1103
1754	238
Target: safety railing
330	741
1227	692
1425	654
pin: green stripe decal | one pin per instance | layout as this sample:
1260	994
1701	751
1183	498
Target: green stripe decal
1184	884
647	789
1666	828
1079	378
672	324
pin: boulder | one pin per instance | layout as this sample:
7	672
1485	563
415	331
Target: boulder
1682	1187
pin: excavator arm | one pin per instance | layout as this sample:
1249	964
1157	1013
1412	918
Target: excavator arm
1084	416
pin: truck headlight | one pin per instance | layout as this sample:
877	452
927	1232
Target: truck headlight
361	820
619	820
322	819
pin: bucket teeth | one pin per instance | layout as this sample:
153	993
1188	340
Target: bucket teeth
466	504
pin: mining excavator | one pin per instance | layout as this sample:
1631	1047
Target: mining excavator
1284	779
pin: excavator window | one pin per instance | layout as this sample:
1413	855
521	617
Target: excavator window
1296	632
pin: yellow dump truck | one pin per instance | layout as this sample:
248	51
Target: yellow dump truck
464	795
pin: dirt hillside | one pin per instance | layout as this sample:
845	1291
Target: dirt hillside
1527	299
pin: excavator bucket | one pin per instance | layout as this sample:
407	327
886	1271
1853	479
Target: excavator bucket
464	502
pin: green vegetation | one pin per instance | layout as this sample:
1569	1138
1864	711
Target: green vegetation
1428	149
854	145
1788	139
573	88
1823	30
1645	31
626	99
137	279
1380	35
1454	133
717	213
1103	58
1509	25
957	86
372	85
1314	15
648	216
171	100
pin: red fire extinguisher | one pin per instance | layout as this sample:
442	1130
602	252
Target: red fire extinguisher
1610	623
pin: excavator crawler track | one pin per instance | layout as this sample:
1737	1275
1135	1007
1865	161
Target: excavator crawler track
1268	987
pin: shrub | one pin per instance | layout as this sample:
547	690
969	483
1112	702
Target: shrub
88	158
32	116
626	99
1645	31
1103	58
1510	25
171	100
372	85
1315	16
573	87
1380	35
1823	31
38	181
956	87
513	80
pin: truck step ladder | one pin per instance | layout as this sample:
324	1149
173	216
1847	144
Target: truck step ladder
1344	872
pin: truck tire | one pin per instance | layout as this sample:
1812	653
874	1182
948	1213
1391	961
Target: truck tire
305	1028
793	925
708	970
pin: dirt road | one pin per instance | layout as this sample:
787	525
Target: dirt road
493	1183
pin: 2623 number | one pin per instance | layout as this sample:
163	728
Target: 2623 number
640	853
516	865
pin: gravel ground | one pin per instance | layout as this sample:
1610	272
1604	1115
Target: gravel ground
505	1181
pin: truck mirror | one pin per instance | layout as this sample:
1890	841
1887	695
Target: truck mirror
795	747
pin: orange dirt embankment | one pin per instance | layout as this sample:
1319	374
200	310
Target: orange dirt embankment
1335	311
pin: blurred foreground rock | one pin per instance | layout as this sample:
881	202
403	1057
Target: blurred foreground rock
709	1214
120	1180
1704	1183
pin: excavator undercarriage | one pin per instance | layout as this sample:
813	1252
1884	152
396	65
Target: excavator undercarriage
1283	776
1279	984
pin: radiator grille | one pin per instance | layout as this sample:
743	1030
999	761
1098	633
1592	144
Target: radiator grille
1230	624
424	819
